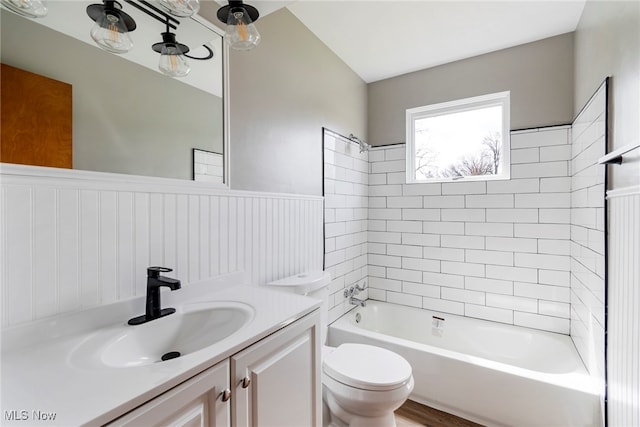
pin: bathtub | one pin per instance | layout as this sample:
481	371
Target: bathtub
490	373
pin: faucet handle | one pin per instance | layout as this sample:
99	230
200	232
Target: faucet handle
361	288
154	272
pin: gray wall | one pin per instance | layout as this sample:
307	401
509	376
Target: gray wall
282	93
607	43
539	76
126	118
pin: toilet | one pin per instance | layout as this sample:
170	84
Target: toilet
362	385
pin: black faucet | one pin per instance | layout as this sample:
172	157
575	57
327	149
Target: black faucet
154	282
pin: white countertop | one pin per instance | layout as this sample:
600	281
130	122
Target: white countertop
38	373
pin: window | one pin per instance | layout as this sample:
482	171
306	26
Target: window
465	139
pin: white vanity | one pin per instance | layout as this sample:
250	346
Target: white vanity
91	368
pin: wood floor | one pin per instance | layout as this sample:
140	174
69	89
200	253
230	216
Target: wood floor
414	414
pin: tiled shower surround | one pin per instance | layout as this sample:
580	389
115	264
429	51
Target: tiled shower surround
496	250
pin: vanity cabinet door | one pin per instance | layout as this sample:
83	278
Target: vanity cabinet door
276	382
200	401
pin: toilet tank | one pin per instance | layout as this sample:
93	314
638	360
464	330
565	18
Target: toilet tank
314	284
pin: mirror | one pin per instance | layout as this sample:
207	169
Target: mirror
128	117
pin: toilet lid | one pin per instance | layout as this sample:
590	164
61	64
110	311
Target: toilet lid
367	367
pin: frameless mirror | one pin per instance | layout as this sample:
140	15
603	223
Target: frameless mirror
128	117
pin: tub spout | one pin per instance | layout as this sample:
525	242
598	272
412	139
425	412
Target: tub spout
357	301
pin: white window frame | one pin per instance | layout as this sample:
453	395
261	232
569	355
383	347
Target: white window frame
457	106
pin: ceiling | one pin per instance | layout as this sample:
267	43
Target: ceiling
381	39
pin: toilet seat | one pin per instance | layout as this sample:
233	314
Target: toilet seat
367	367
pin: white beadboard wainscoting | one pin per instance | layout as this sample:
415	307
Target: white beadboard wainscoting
496	250
345	188
588	232
73	239
623	327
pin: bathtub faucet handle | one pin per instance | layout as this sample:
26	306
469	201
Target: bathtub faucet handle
361	288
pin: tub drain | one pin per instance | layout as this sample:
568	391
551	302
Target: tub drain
170	355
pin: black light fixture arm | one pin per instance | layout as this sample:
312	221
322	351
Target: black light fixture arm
149	9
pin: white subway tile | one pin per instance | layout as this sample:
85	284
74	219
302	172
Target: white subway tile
405	275
539	138
421	264
385	260
543	200
512	215
489	257
555	309
495	229
396	178
554	247
493	286
440	279
378	179
511	244
547	262
377	225
377	202
555	185
404	226
334	229
489	201
555	216
527	185
444	201
463	268
443	227
376	155
383	237
396	153
512	273
477	187
374	248
547	323
510	302
464	242
443	306
466	215
463	295
446	254
431	189
404	299
386	284
421	214
546	292
388	166
420	239
555	278
376	271
378	213
554	153
405	250
488	313
421	289
404	202
525	155
377	294
385	190
542	231
329	245
539	170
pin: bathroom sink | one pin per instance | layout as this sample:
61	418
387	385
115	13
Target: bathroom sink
192	328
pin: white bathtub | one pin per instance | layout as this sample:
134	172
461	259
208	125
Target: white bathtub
490	373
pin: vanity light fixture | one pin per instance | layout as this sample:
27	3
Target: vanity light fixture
111	30
172	55
240	33
28	8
